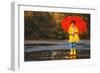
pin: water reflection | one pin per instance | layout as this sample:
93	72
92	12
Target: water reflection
57	51
73	57
56	55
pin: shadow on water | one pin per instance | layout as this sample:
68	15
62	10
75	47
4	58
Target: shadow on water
40	44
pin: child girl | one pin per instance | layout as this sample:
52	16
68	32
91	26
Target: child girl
73	37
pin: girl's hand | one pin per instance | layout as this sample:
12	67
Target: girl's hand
72	32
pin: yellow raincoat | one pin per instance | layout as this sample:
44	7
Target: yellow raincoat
73	34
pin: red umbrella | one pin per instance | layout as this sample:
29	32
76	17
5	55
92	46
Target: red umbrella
79	22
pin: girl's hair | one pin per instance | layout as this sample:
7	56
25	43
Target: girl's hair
73	22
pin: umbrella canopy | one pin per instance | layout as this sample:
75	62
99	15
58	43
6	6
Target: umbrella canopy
80	23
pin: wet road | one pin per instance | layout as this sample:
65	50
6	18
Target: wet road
53	45
54	50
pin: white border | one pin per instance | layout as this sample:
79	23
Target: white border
18	37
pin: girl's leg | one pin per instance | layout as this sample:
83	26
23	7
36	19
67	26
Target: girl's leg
71	45
71	48
74	44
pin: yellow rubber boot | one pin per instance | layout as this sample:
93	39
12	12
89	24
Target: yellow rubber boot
71	52
74	51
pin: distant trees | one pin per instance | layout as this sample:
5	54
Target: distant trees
46	25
